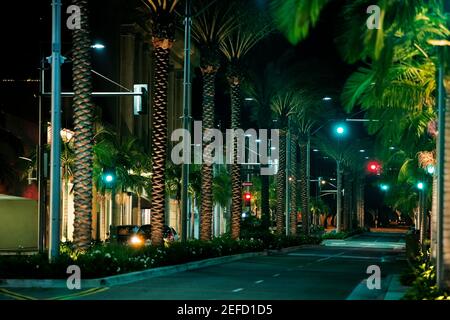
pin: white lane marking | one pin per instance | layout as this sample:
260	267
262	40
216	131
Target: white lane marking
238	289
331	257
276	275
259	281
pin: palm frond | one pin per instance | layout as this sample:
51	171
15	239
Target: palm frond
295	18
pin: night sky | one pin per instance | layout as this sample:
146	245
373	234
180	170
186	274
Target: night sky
26	35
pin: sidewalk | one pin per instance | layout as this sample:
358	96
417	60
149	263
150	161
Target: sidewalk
396	290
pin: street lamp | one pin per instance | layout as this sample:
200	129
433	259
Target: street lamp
98	46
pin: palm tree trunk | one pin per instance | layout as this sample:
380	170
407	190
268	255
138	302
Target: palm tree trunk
84	129
209	77
293	186
444	265
360	201
139	214
65	205
236	185
433	236
339	198
265	204
304	187
159	136
347	214
281	183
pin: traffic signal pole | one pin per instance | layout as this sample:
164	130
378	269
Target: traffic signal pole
55	158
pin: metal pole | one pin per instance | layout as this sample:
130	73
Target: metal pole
42	186
338	196
288	173
55	159
186	116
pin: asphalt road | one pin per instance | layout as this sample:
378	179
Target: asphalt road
316	272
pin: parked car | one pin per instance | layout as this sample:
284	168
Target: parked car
123	234
143	236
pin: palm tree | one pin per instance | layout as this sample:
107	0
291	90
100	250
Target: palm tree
163	20
67	163
235	46
294	18
342	153
83	109
209	29
283	108
309	113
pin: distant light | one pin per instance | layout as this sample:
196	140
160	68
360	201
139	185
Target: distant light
250	99
323	182
98	46
109	178
258	140
273	148
327	99
367	158
315	150
325	157
431	169
384	187
248	135
420	186
362	150
340	130
391	148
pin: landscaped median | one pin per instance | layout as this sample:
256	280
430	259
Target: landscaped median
107	264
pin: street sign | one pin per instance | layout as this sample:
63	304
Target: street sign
247	184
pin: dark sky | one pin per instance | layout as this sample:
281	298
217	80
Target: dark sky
26	34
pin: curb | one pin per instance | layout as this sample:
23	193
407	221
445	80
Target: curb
128	277
289	249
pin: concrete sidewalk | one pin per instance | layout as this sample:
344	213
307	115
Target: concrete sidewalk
396	290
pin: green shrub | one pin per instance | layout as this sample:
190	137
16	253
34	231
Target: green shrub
422	279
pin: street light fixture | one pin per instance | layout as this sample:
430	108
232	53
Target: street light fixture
98	46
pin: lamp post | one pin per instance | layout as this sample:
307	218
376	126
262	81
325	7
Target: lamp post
55	158
340	131
186	115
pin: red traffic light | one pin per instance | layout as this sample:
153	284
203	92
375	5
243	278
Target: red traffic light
247	196
374	167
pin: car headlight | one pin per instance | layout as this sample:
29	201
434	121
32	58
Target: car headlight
135	240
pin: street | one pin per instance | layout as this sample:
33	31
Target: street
328	271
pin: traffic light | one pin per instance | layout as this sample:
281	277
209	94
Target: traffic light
374	167
109	177
247	199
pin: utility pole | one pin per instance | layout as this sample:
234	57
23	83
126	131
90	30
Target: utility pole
308	179
55	159
186	115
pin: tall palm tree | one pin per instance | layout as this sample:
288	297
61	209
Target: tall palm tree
163	19
310	112
83	109
235	46
209	29
283	108
67	163
342	153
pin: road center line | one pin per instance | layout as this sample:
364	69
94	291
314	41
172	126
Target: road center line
259	281
276	275
238	289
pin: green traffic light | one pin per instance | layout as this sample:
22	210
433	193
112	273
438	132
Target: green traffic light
420	185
